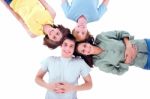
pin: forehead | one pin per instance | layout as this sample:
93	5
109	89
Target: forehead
68	41
82	44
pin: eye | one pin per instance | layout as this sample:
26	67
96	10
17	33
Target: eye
77	32
65	44
57	33
83	33
84	45
54	37
50	32
71	46
82	51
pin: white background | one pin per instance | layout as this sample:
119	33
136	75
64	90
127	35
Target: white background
20	55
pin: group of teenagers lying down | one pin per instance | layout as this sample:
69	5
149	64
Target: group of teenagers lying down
111	51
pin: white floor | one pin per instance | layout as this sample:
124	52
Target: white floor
20	55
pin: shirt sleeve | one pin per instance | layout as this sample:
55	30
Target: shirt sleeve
101	10
107	67
118	35
85	69
66	7
45	63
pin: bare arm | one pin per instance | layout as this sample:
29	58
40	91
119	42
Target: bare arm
87	85
105	2
130	52
19	18
67	87
39	80
49	8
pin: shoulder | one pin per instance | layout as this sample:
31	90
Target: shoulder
79	62
77	59
52	58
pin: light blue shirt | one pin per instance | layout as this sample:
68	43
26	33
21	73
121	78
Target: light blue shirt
87	8
64	70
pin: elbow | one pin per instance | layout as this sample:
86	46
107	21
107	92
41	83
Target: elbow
90	85
37	79
54	15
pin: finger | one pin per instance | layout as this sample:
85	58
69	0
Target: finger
59	91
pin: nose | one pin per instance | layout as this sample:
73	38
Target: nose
67	49
87	50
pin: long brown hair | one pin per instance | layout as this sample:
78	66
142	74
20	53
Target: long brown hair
54	44
87	58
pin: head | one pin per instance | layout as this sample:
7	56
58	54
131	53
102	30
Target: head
68	46
84	49
80	32
80	35
54	35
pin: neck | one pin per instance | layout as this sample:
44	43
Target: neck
97	50
82	20
66	57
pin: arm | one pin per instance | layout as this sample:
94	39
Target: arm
65	6
111	67
130	52
39	80
19	18
118	70
49	8
102	8
67	87
87	84
105	2
117	35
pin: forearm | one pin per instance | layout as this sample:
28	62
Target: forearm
48	7
85	86
41	82
126	42
105	2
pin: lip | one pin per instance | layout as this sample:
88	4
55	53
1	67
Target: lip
66	52
81	26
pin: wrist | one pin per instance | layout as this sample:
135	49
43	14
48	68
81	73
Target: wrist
75	88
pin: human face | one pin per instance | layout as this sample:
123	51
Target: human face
53	33
81	28
85	48
67	48
81	31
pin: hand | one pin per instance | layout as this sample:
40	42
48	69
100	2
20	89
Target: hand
65	87
130	53
56	87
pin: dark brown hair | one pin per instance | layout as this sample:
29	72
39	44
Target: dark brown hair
87	58
70	37
54	44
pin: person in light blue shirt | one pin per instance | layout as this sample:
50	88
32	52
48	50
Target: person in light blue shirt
64	73
83	12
